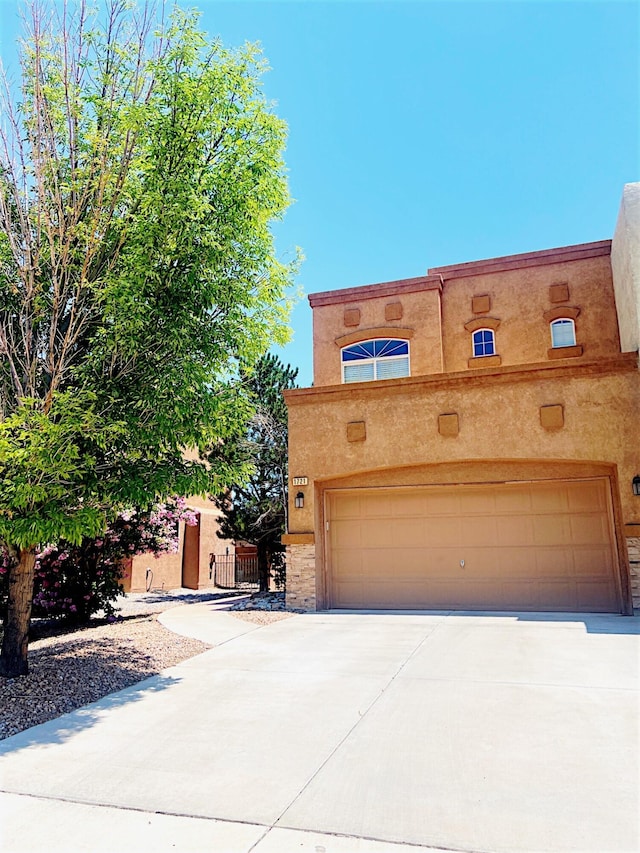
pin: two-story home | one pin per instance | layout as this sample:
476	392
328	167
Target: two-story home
472	437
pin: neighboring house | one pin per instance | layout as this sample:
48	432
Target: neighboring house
472	439
193	565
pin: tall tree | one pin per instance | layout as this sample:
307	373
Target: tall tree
140	170
255	509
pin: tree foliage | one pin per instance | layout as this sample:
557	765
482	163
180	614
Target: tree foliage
73	582
140	170
255	509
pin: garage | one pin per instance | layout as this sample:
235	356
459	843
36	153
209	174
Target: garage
545	545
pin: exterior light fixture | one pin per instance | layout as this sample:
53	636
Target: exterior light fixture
300	499
635	485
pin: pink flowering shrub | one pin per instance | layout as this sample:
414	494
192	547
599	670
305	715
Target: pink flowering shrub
75	581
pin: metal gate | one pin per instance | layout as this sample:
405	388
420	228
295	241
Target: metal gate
234	572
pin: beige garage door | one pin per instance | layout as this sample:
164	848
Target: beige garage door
522	546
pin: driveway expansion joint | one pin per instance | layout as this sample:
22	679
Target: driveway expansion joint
361	716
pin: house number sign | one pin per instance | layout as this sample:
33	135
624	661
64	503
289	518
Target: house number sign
300	481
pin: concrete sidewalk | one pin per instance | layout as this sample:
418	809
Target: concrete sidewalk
338	732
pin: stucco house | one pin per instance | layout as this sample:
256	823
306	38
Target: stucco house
472	437
193	564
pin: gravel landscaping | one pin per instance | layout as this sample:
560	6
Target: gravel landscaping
69	670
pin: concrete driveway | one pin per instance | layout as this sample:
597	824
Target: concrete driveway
341	732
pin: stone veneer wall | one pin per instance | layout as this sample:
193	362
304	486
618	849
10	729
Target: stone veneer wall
633	545
301	576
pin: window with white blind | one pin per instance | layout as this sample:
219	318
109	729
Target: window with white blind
563	333
380	358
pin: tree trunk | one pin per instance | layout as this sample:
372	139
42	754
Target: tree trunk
263	566
13	659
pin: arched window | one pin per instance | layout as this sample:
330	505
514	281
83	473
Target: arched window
563	333
381	358
483	343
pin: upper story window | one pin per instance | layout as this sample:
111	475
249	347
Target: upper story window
382	358
563	333
483	343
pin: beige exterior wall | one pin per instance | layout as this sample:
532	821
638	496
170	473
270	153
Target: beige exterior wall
519	299
434	309
498	415
528	413
625	263
167	570
420	317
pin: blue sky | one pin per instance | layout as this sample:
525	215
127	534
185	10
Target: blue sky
429	133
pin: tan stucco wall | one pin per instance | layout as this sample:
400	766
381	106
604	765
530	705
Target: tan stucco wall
625	263
519	299
436	308
210	543
499	418
167	569
420	313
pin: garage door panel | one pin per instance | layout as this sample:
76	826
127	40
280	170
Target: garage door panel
348	506
347	534
514	530
408	532
349	594
551	530
442	532
477	531
510	592
511	562
476	502
595	596
592	563
410	563
410	505
348	562
373	534
549	500
553	562
376	506
380	563
589	529
444	503
557	595
514	501
533	546
586	497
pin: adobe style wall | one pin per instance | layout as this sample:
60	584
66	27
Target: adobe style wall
499	418
528	412
517	296
189	566
576	280
625	263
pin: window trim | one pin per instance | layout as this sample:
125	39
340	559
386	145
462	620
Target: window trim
559	322
474	354
375	359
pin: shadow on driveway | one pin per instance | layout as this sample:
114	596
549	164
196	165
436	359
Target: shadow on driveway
594	623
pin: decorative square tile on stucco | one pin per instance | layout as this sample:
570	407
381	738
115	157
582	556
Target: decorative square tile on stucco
448	424
393	311
559	292
356	431
552	417
352	316
481	304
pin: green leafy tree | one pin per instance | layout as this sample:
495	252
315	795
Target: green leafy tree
140	171
255	509
73	582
